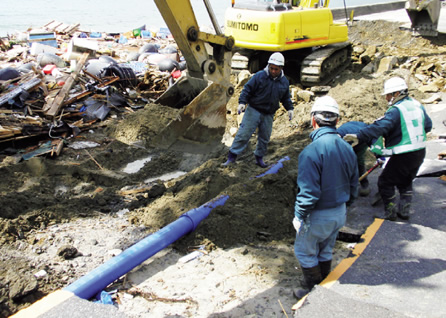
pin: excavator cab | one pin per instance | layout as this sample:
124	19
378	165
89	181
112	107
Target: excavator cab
298	29
203	93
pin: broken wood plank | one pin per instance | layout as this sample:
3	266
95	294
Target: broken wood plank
58	145
136	190
93	76
54	107
88	92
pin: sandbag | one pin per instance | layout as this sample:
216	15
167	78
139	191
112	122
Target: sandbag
168	65
8	73
95	66
149	48
107	59
43	59
133	56
168	50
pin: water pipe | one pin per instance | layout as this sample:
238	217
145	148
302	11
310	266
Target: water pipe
89	285
275	167
99	278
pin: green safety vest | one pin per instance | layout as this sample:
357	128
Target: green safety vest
412	129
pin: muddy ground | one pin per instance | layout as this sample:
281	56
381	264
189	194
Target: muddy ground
60	218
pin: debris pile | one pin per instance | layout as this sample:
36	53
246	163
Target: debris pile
58	81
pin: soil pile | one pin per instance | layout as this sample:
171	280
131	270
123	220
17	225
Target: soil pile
63	217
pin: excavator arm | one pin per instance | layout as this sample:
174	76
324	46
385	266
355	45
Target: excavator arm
204	92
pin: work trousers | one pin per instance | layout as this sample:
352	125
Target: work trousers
399	172
252	120
360	151
316	239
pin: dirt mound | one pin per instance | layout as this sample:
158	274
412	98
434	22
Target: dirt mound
86	199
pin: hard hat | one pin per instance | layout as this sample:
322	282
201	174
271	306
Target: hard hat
276	59
394	84
325	104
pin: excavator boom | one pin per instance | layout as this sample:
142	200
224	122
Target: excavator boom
204	92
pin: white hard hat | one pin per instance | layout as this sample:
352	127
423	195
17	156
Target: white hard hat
394	84
325	104
276	59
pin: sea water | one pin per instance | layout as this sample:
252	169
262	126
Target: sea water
110	16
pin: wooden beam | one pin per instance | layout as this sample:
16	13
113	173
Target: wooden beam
54	107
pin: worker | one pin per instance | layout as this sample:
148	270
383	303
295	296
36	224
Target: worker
403	128
327	180
353	127
259	100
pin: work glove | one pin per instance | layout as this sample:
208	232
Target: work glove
297	223
290	114
241	108
381	160
352	139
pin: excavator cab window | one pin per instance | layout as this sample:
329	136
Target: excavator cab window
263	5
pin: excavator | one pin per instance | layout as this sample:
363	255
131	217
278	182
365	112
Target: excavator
203	93
316	48
424	16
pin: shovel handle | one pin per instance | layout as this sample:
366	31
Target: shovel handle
369	171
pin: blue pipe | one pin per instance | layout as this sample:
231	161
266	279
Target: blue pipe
274	168
95	281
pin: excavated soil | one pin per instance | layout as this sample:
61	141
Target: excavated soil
63	217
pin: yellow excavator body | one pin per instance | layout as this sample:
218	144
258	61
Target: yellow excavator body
261	27
283	30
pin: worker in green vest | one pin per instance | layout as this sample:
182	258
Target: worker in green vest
402	130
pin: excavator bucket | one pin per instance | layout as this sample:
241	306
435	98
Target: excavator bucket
424	16
202	121
202	95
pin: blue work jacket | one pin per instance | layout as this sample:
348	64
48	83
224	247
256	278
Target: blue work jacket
328	173
389	126
264	93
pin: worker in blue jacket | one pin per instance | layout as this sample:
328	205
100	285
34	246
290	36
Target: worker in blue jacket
327	180
353	127
259	100
403	128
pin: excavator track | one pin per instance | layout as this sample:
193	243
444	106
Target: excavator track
325	63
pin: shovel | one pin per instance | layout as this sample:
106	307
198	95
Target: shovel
378	163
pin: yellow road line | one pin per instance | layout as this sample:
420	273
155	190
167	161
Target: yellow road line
347	262
44	305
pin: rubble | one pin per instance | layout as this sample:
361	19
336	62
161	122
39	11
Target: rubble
56	91
86	200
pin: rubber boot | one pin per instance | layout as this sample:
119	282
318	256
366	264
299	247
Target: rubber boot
312	277
325	268
259	162
389	212
364	191
404	205
231	159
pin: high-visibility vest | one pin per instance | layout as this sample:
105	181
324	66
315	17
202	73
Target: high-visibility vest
412	130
